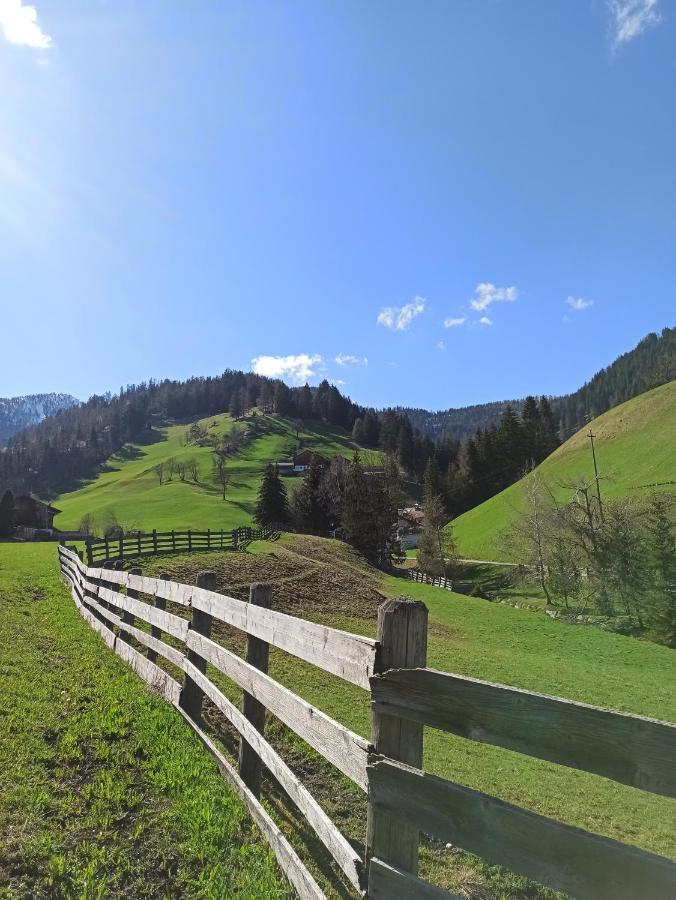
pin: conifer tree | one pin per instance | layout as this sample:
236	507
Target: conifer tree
662	553
272	507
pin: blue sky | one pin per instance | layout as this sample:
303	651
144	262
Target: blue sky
432	204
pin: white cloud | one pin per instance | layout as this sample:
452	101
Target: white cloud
450	322
630	18
20	26
298	369
441	345
338	382
579	303
486	293
346	359
484	320
398	318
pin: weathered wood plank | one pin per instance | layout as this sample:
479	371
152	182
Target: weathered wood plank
631	749
192	694
350	656
289	861
584	865
166	621
389	883
162	649
160	681
402	634
340	746
328	833
257	655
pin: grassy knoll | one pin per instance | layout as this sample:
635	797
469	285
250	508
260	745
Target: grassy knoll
634	447
104	792
327	581
128	486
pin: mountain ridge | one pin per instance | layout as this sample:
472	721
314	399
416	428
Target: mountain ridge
17	413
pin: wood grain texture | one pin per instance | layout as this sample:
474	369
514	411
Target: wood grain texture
584	865
340	746
402	637
257	654
349	656
630	749
389	883
168	622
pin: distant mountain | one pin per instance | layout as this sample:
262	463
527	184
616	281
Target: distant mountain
20	412
652	362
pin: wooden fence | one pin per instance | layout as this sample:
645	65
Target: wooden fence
403	800
100	550
435	580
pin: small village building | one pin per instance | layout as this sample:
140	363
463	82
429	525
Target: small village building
31	512
410	522
306	458
285	469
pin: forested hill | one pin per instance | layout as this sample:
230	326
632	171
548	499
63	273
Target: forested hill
651	363
20	412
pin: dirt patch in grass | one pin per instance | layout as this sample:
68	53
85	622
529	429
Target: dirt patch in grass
311	576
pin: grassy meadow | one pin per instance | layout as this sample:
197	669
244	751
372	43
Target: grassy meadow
634	450
327	581
104	792
128	486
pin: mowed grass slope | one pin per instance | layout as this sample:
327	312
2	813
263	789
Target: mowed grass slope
128	486
635	450
104	791
327	581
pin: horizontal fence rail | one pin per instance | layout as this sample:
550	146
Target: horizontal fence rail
98	593
403	800
434	580
133	546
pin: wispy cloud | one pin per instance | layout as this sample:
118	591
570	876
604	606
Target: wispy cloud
399	318
20	25
441	345
485	294
630	18
297	369
579	303
338	382
346	359
484	320
450	322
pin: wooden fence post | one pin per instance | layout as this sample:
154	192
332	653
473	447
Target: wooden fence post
127	617
192	695
160	603
189	539
155	541
402	635
173	540
120	550
257	653
88	547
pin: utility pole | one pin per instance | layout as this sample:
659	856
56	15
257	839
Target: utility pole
591	437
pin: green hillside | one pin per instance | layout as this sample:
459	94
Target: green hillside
634	448
128	486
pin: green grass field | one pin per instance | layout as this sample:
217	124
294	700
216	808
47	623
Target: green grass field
128	486
86	750
634	448
103	790
477	638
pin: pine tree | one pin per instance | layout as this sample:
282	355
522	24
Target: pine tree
662	554
309	509
7	514
272	507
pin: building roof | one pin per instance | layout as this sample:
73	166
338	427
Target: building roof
35	501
